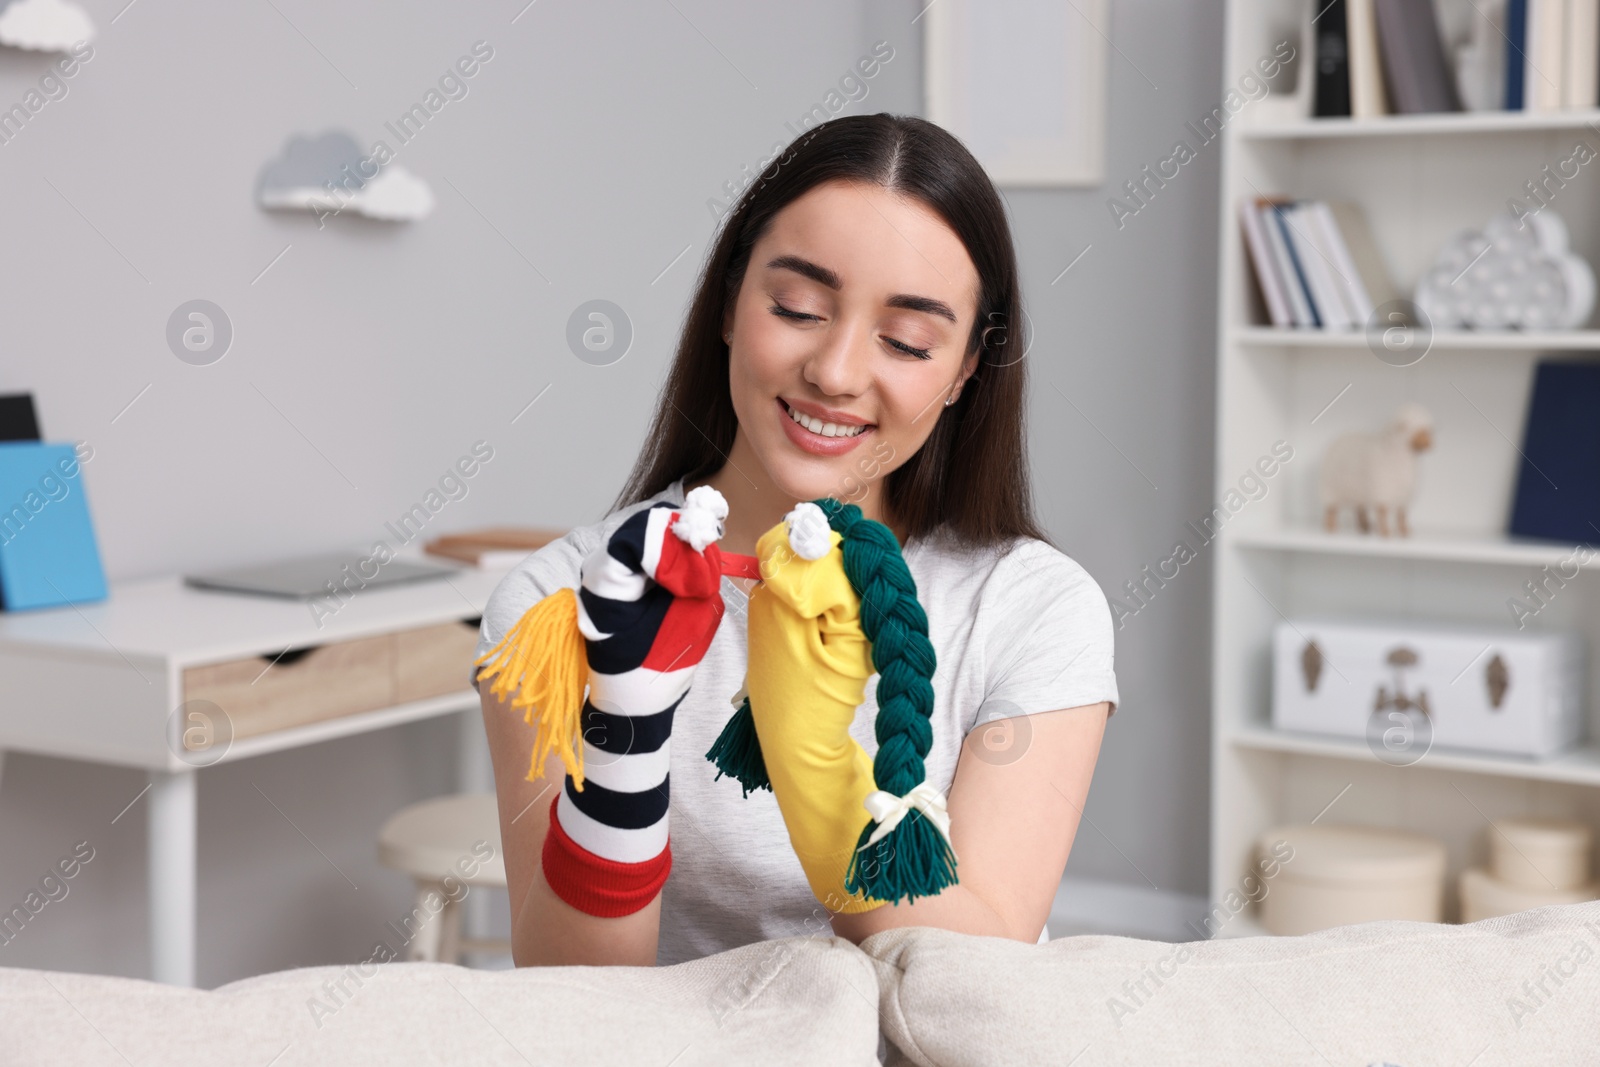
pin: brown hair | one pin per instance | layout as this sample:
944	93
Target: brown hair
971	475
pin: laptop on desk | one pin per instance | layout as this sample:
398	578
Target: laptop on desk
310	577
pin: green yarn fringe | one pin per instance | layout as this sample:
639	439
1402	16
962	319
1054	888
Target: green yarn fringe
737	752
912	860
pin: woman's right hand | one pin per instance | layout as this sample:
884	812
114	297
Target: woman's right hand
590	869
545	930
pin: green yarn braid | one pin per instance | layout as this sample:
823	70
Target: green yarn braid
913	859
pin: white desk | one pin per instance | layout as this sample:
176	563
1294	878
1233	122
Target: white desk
105	683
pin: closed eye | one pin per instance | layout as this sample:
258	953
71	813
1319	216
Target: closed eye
920	353
783	312
786	313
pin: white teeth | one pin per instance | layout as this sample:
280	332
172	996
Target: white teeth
824	429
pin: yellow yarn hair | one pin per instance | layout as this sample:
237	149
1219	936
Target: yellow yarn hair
542	658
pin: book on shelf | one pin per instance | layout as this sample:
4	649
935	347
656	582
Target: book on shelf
1558	480
1552	54
1359	248
1545	50
1419	77
1580	84
1304	234
1351	289
1480	57
1315	262
1305	308
1332	96
1368	99
1265	267
1516	59
1375	57
493	548
1293	285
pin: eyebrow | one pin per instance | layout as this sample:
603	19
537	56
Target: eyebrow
818	273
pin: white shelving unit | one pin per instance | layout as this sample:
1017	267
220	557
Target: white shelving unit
1419	179
1443	342
1412	125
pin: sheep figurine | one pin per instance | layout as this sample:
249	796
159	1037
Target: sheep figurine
1376	470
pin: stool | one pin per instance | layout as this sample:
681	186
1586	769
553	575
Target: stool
428	841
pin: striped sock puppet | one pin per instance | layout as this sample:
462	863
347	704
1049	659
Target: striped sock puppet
648	604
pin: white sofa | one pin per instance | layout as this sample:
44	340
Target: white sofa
1519	990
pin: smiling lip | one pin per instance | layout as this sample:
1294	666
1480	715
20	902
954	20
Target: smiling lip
816	444
817	411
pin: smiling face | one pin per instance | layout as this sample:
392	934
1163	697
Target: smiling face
846	339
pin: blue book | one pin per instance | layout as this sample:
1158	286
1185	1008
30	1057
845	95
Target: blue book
1294	264
48	554
1558	481
1516	55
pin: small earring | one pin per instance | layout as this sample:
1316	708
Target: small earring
951	399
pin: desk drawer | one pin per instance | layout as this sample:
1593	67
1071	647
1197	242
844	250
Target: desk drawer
434	660
340	678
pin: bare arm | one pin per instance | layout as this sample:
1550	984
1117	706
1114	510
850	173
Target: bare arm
546	930
1011	825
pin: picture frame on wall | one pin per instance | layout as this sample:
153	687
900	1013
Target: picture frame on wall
1022	83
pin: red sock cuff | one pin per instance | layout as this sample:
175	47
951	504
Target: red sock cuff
595	885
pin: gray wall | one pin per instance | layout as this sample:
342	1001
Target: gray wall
1129	336
368	357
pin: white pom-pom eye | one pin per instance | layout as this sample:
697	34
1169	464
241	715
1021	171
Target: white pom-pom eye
700	520
709	499
807	527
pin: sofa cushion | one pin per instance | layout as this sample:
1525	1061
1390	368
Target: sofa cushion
757	1004
1519	989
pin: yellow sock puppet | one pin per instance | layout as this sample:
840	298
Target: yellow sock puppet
836	600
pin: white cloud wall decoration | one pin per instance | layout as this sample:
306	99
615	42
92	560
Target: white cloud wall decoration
328	175
44	25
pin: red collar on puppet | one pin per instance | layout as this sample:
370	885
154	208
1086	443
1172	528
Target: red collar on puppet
736	566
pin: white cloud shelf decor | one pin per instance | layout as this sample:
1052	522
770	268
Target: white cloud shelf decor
1517	272
43	25
328	174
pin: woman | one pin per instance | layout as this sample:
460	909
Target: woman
852	336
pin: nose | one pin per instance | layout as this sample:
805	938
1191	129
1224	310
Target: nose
840	365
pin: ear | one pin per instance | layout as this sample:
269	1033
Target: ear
968	367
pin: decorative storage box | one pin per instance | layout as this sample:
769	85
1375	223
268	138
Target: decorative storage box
1540	854
1339	875
1533	862
1483	896
1509	693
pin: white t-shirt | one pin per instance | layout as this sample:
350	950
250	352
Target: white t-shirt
1014	633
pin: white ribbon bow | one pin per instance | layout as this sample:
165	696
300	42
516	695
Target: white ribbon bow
887	810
